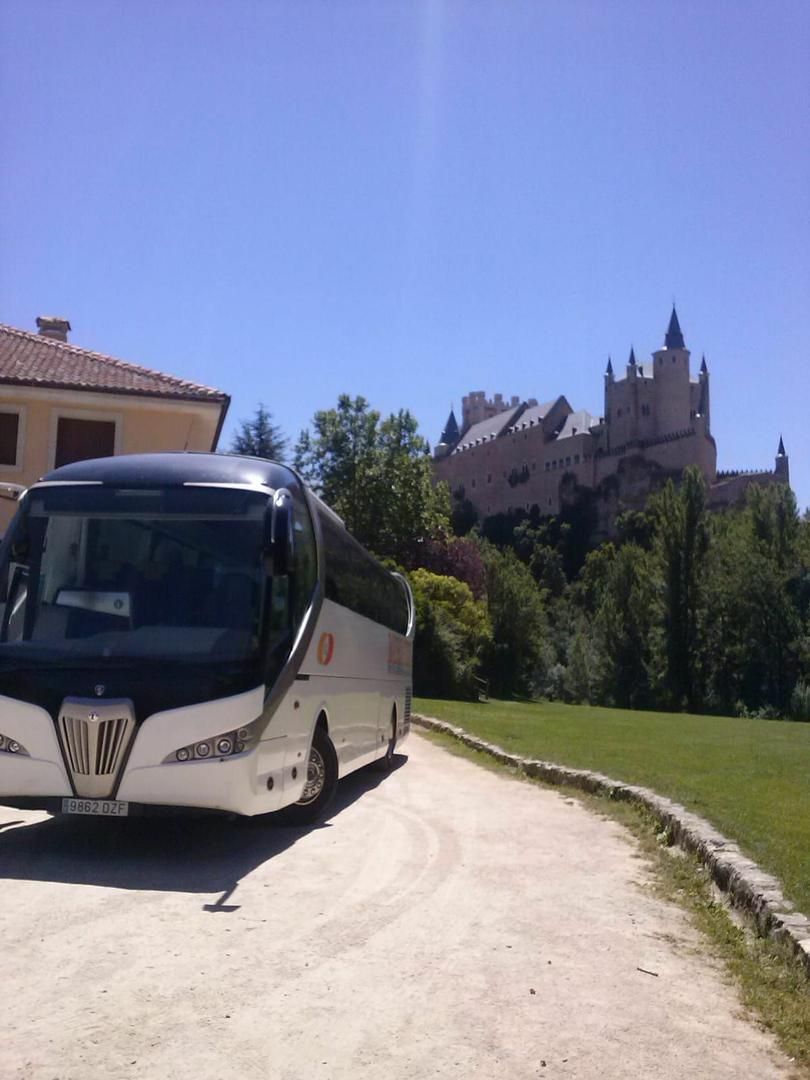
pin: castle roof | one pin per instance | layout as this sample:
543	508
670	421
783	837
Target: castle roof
533	415
451	433
578	423
485	430
674	338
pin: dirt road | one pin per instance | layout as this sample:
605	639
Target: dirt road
445	922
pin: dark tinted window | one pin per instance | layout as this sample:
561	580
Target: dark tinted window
356	580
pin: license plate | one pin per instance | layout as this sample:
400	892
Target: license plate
96	807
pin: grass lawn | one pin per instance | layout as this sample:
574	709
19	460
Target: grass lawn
750	778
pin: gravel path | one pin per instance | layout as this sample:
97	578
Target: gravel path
445	922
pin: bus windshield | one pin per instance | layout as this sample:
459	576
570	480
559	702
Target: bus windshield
93	573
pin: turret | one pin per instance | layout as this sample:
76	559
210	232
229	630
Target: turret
782	469
702	409
632	367
675	407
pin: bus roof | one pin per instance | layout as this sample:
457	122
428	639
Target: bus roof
176	469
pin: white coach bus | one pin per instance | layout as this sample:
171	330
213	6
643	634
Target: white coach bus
193	630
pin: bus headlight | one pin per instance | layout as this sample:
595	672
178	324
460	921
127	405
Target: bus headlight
11	746
225	745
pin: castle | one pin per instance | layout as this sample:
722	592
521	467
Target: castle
514	455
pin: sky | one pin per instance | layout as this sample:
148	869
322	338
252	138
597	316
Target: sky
409	201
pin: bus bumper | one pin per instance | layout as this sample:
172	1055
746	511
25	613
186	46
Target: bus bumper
248	784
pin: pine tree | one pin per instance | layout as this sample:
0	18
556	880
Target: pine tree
260	437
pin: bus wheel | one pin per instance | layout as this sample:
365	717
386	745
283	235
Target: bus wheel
386	764
319	789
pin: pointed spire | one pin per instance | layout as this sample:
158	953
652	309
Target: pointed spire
781	451
703	369
609	368
674	338
451	434
632	360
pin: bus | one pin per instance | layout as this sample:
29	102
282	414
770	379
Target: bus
197	631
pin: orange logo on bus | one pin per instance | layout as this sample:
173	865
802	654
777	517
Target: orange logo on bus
326	648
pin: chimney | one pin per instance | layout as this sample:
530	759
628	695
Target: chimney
52	327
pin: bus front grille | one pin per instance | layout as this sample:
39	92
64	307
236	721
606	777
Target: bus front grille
95	736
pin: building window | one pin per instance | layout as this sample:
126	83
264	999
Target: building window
9	438
548	466
534	466
554	464
576	459
568	461
80	439
472	482
489	478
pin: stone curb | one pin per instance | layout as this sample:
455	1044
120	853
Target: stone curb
747	885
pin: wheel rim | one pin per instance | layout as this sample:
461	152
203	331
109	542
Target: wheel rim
316	777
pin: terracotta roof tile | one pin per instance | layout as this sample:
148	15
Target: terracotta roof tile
29	359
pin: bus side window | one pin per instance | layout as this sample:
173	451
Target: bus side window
305	562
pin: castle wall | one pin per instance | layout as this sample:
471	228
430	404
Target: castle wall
534	463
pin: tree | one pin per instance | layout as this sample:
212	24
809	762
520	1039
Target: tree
260	437
452	627
681	543
516	658
622	586
377	476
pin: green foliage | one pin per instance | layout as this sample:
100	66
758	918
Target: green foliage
680	543
377	476
452	628
623	628
516	657
260	437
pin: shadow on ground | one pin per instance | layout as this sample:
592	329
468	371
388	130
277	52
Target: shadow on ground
194	855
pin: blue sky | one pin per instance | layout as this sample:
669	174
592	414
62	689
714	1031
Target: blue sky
412	200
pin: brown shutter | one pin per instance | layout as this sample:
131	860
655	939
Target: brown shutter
9	427
77	440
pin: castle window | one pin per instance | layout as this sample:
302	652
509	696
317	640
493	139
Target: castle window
568	461
618	412
548	466
473	482
534	466
576	459
554	464
489	478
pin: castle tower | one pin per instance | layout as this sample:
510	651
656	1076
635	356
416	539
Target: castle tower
673	404
701	404
782	470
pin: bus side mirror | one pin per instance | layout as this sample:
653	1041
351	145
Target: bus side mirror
279	543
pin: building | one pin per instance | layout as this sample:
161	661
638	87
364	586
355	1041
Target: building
61	403
656	421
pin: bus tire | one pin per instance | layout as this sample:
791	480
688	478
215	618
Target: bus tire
322	779
386	763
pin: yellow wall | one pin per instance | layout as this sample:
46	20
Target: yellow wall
143	426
